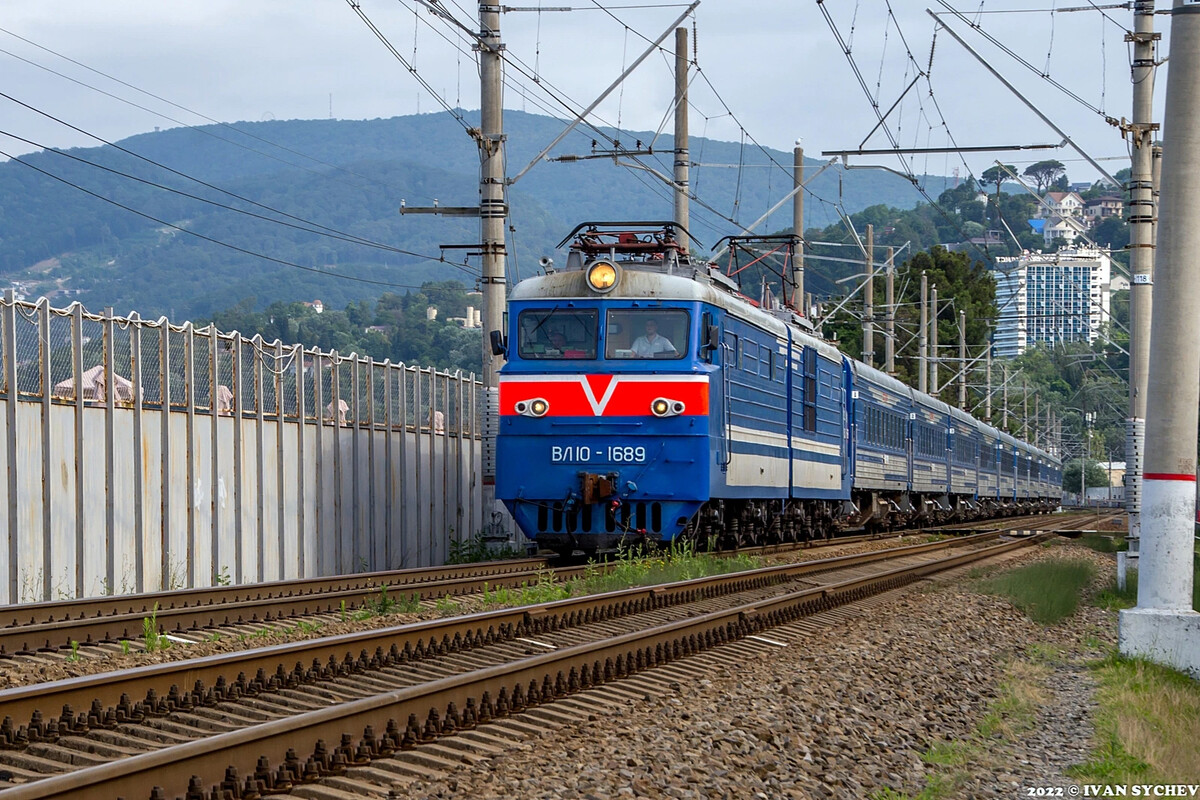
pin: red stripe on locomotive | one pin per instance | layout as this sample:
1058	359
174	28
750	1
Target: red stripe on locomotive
611	396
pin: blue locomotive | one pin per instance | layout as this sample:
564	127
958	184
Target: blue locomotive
644	399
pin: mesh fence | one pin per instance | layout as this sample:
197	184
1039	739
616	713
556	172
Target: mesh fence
65	352
149	354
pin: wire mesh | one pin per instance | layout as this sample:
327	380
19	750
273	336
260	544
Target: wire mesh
293	358
177	367
352	389
150	363
62	357
29	368
122	366
223	383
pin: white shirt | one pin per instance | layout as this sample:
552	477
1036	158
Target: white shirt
644	347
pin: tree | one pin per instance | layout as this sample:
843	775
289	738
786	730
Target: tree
1044	173
998	176
1095	477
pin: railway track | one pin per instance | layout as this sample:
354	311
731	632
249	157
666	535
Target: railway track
55	631
371	694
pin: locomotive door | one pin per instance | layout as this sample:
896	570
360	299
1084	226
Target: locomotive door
729	349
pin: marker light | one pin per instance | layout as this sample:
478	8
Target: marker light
537	407
662	407
602	276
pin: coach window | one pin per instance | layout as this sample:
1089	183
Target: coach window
658	333
568	333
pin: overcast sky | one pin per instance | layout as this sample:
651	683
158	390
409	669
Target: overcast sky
776	63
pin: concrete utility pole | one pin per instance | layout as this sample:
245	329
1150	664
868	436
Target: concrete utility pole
493	213
889	347
868	350
1164	627
1141	263
933	341
987	398
681	137
922	345
1004	386
798	229
1024	408
962	360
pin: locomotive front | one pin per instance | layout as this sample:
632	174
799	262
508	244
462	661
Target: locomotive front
604	432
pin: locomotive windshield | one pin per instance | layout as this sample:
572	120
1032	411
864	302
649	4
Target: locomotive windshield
646	333
558	333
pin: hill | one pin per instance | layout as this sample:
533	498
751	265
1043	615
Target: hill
62	235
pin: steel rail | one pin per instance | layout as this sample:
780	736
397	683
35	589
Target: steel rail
266	753
161	687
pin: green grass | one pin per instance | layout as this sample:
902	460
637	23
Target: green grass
1047	591
1147	726
153	640
631	568
475	549
1102	544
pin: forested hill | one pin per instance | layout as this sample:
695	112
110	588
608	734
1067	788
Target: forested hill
349	177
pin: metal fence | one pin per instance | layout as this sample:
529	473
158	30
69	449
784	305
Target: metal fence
141	455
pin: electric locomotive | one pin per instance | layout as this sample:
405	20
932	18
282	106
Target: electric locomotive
644	399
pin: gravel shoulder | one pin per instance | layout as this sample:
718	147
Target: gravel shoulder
936	691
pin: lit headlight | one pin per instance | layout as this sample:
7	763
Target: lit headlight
537	407
663	407
602	276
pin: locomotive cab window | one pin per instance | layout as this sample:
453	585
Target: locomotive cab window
647	333
558	333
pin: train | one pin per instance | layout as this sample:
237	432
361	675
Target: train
644	400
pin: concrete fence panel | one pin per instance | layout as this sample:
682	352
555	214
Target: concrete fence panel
139	455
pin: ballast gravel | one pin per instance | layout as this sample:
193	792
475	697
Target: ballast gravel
853	712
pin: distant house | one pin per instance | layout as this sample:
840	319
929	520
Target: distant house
1066	228
380	329
1100	208
1060	204
317	306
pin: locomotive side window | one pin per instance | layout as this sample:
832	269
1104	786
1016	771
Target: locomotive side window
647	333
558	333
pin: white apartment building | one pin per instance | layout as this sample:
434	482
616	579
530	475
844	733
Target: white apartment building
1051	298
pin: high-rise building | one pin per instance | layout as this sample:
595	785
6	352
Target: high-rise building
1051	298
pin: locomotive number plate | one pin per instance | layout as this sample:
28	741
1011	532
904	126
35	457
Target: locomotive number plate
588	454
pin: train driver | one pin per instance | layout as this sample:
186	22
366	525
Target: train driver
652	343
558	341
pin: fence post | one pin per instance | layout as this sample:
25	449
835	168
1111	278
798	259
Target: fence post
260	470
214	402
301	421
13	391
281	524
43	321
164	399
372	534
335	411
356	532
80	461
319	414
420	507
388	474
445	462
402	387
135	377
189	388
432	461
110	465
458	455
235	344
